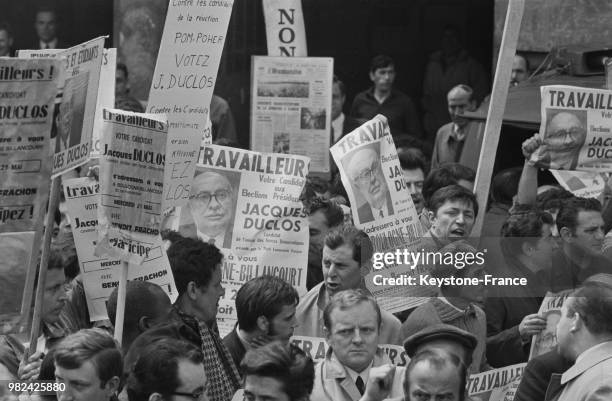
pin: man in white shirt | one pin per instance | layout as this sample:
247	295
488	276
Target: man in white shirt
354	363
365	171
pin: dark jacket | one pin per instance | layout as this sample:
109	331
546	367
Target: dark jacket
234	345
536	376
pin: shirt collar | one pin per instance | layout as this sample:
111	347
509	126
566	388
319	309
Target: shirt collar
48	45
338	127
364	374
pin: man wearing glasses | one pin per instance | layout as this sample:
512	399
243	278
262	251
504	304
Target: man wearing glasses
563	139
168	370
365	172
212	203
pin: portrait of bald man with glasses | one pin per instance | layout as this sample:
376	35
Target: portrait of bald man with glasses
364	170
212	202
564	137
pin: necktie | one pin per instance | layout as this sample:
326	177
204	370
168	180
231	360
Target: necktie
360	385
381	214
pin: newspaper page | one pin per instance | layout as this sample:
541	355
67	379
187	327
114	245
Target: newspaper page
316	347
106	95
496	384
550	310
73	116
584	184
285	31
27	94
291	107
576	129
101	275
247	204
15	249
183	82
381	206
132	163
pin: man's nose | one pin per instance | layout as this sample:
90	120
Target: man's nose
65	395
460	219
357	337
600	234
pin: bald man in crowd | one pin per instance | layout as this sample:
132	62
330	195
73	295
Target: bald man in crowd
452	137
365	172
212	203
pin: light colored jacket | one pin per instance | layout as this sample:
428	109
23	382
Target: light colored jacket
333	383
590	379
309	315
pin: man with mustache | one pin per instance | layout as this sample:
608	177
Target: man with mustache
365	172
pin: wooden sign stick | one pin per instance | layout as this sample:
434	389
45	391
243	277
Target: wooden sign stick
497	107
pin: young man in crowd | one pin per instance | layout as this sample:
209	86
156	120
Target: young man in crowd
89	365
383	99
323	216
266	312
147	305
167	369
452	211
353	361
276	372
54	298
512	312
196	267
456	305
346	260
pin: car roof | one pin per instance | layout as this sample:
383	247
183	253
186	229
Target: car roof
523	103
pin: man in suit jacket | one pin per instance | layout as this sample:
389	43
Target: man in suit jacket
266	312
365	171
354	363
584	335
45	25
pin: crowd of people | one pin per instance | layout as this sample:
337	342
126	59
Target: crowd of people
173	351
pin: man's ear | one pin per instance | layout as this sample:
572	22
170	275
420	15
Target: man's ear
144	323
432	216
526	248
371	76
566	234
112	385
156	397
263	324
192	290
577	323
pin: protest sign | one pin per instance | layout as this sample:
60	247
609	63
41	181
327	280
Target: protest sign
183	83
73	116
101	275
247	204
496	384
15	249
550	310
106	95
132	159
285	30
576	129
584	184
291	107
382	207
27	94
316	348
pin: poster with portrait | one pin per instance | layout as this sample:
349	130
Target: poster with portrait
291	107
27	94
132	161
247	204
576	129
101	274
382	207
550	309
74	113
496	384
